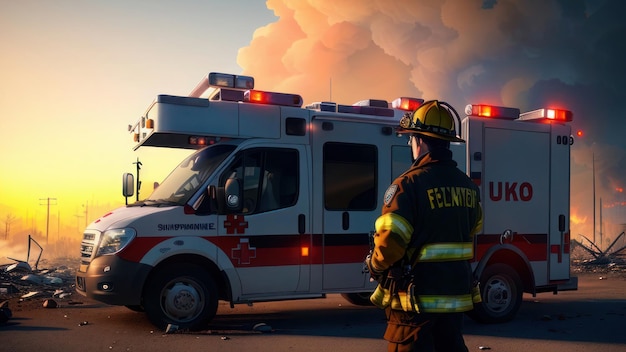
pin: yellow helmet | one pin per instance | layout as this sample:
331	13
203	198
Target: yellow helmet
433	119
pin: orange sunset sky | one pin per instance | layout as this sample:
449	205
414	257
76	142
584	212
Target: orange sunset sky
76	73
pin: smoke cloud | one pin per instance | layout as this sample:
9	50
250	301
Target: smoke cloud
521	53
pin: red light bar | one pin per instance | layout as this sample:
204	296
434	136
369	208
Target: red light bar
548	115
408	104
492	111
202	141
272	98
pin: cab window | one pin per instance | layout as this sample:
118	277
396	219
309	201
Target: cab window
269	178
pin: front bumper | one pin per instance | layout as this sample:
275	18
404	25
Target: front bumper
112	280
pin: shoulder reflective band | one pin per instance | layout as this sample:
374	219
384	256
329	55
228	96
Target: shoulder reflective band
441	252
445	304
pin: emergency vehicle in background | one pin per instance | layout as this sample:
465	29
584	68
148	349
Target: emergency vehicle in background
278	202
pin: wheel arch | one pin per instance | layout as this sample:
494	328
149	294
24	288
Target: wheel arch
197	250
221	279
513	257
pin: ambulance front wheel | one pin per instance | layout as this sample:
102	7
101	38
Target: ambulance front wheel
501	291
181	294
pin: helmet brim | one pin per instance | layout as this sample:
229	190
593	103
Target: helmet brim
433	135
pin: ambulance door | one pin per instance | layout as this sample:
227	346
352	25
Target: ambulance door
515	189
559	203
268	241
345	181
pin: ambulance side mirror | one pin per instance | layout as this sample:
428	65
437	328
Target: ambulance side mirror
229	197
128	185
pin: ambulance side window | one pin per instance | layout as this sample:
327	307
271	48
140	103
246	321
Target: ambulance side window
349	176
269	177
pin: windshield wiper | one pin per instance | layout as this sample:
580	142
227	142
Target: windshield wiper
160	202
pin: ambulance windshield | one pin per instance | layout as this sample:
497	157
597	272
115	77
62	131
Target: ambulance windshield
190	174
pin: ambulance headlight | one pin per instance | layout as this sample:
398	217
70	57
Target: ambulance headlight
115	240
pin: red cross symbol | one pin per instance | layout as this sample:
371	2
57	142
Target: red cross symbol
243	252
235	224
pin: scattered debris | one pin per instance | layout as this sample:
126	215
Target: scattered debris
5	312
171	328
7	288
83	323
262	327
484	348
23	280
50	303
19	266
225	338
30	294
602	257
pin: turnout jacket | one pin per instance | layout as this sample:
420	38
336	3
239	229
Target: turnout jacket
429	218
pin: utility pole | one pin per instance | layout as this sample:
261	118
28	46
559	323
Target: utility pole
48	204
593	170
7	225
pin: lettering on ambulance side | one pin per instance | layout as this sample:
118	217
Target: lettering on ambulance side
446	197
186	227
510	191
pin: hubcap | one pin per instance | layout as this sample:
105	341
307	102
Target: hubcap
498	295
182	302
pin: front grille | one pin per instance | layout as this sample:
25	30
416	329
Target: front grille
88	246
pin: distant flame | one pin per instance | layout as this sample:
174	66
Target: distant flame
577	220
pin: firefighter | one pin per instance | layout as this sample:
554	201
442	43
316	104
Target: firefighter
424	240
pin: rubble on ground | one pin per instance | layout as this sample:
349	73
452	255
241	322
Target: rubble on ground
51	286
591	259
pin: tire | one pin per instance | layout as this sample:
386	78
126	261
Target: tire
358	298
501	290
181	294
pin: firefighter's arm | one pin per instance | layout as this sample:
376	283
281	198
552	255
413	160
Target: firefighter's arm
392	237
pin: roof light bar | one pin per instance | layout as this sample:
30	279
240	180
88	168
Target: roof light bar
222	80
373	103
230	81
548	115
272	98
226	94
407	104
365	110
323	106
492	111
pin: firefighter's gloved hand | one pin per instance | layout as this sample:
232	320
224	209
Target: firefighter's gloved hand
375	275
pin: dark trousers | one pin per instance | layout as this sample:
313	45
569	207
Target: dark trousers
440	332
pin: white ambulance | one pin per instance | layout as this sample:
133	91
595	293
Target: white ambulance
278	203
